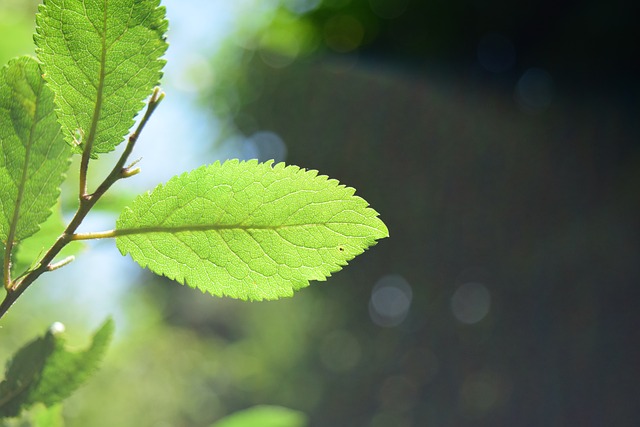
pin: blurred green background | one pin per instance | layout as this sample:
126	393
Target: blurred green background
500	143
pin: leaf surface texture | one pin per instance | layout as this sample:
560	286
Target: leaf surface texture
102	59
248	230
35	157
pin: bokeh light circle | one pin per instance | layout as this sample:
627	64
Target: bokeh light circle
390	300
470	303
534	90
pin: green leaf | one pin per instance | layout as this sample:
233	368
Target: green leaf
65	371
101	58
23	374
34	157
44	371
264	416
248	230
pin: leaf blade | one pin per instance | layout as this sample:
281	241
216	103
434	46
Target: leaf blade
35	158
23	372
65	371
44	371
248	230
102	59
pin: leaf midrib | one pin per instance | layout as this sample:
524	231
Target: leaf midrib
13	226
101	78
119	232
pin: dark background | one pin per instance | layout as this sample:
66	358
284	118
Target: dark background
538	202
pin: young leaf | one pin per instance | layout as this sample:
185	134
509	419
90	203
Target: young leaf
101	58
65	371
264	416
23	373
45	372
248	230
34	157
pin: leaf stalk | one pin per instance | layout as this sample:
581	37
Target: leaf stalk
94	235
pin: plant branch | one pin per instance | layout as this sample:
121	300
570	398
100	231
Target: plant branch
87	202
119	170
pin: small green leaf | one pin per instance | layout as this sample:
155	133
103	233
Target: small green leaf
264	416
101	58
248	230
65	371
23	373
44	371
34	157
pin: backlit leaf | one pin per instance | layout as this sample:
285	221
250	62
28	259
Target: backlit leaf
64	370
34	156
24	371
101	58
44	371
248	230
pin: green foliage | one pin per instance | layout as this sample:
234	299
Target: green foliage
23	375
247	229
264	416
44	371
34	158
101	59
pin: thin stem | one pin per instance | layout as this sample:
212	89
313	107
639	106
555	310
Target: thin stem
94	235
87	202
61	264
84	169
119	171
